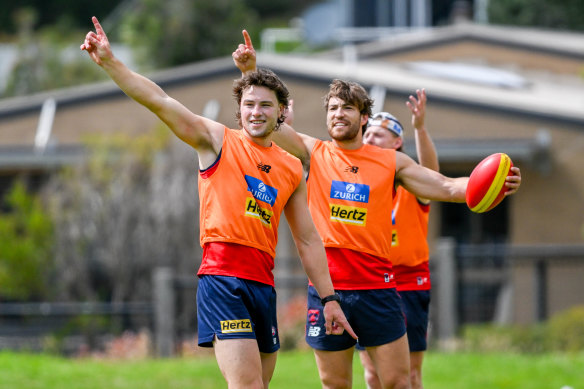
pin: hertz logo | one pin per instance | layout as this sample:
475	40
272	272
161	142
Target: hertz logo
253	209
394	239
349	215
241	325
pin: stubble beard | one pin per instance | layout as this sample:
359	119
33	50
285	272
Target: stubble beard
346	135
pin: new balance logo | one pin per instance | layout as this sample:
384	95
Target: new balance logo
264	168
313	331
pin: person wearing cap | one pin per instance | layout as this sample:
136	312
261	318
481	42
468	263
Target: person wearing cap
409	247
350	195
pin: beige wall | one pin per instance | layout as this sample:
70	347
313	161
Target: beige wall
484	53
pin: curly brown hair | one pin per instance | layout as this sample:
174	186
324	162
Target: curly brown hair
352	93
266	78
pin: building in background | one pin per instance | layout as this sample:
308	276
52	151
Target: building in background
491	89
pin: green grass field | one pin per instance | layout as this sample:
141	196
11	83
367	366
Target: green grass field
294	370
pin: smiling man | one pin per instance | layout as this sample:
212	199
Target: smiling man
348	179
245	183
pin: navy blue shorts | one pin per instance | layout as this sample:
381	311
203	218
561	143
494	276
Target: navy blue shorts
234	308
375	315
416	307
416	304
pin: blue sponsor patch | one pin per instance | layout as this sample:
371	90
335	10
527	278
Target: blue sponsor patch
351	192
261	191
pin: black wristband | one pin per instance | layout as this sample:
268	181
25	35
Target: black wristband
332	297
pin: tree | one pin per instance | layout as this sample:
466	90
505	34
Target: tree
43	62
52	12
131	206
558	14
174	32
25	246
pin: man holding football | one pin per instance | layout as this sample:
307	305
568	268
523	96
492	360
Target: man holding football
350	195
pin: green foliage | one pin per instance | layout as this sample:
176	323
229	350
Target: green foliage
49	58
166	33
78	12
559	14
25	246
54	11
492	338
564	332
87	326
162	33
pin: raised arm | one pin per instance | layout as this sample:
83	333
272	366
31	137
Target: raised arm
297	144
313	258
244	56
425	148
204	135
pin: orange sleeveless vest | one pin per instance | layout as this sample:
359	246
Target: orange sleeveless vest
350	197
242	200
410	230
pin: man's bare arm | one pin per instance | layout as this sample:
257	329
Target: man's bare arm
297	144
425	148
428	184
313	258
202	134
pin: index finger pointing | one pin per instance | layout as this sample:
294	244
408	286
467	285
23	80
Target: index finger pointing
98	28
247	39
349	329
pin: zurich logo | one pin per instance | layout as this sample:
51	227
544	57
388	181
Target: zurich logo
350	191
261	191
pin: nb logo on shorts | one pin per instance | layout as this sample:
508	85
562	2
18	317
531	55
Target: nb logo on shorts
241	325
349	215
313	331
253	209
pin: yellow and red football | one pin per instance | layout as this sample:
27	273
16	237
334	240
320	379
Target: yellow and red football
486	186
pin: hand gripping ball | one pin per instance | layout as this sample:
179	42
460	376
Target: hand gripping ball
486	186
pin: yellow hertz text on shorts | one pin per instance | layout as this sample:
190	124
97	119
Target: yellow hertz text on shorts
230	326
253	209
349	215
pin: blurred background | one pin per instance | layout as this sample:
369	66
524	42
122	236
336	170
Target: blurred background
98	201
